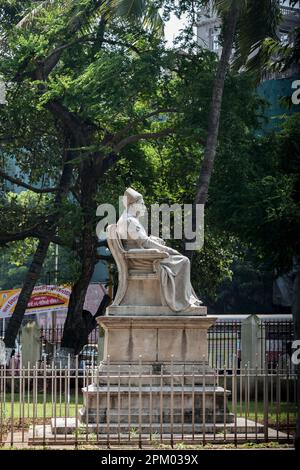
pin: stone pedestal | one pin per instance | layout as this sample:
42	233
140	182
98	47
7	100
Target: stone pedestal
155	374
156	340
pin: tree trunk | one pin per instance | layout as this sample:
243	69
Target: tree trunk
75	325
229	23
216	105
74	328
25	294
37	263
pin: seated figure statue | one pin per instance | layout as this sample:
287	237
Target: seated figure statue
174	268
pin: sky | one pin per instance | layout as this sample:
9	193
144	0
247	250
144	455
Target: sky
172	28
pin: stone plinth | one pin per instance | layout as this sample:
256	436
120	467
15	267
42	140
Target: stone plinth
155	371
159	405
152	311
155	339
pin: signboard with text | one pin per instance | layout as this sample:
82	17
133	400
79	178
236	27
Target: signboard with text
43	298
48	301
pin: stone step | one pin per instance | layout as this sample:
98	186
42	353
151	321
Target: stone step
125	389
121	416
64	430
62	426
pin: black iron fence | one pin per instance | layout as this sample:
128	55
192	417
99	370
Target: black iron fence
224	344
274	344
277	338
47	405
51	339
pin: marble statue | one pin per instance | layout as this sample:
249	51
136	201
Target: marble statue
176	286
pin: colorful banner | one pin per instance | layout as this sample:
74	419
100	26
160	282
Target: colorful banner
43	298
47	299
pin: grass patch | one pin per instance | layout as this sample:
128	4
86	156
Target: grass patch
65	408
282	415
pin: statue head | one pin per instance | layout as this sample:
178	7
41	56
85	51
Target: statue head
134	202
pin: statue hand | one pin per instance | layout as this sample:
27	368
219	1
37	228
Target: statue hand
170	251
158	240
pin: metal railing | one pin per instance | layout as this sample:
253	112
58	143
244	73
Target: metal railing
51	339
224	343
41	405
275	338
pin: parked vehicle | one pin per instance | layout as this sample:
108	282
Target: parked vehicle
88	356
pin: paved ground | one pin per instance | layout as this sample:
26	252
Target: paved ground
44	438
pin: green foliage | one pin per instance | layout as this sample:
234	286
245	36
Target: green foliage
252	31
146	11
260	202
167	172
15	260
213	264
249	289
113	76
21	211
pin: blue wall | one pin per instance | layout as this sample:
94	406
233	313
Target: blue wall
273	91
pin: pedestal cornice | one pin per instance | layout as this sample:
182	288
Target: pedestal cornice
166	322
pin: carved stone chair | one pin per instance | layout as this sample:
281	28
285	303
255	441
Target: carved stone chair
139	287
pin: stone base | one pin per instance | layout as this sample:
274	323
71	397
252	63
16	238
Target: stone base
67	431
155	370
132	406
62	426
155	339
148	310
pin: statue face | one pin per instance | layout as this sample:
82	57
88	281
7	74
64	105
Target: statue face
138	208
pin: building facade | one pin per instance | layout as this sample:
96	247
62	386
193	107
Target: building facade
208	25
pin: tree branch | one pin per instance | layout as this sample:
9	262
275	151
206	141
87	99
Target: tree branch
50	62
119	43
129	126
25	185
145	136
12	237
75	194
75	23
29	17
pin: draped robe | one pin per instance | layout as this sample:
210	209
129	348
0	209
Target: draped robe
175	270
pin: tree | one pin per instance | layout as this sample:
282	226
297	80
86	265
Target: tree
259	203
166	171
243	30
34	140
240	29
105	89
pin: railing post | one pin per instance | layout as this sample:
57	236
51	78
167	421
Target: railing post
12	402
100	345
251	342
2	353
31	343
266	402
252	346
